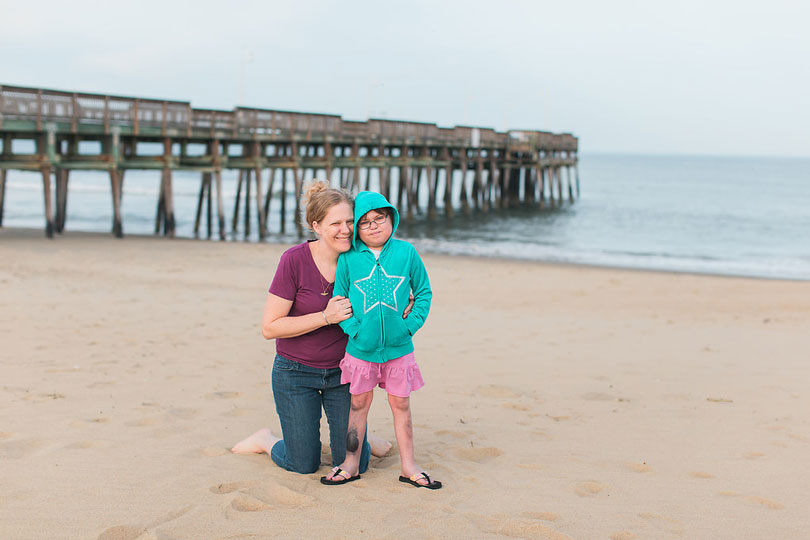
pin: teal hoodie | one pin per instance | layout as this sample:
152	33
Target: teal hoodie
378	290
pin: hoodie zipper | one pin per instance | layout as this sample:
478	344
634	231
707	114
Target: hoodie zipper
379	308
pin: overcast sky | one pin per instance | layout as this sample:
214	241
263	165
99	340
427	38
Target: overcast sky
706	77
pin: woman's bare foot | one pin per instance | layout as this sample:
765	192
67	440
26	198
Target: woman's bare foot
379	446
261	441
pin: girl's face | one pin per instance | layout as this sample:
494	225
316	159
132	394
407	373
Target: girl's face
335	229
374	228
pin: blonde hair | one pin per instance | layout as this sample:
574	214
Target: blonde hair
318	199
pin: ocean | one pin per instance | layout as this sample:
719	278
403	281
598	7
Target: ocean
739	216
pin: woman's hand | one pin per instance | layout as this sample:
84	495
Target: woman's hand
408	308
337	310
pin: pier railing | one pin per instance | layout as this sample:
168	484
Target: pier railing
76	112
495	169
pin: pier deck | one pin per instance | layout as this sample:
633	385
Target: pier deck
485	168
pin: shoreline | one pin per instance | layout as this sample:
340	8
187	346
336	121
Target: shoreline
19	233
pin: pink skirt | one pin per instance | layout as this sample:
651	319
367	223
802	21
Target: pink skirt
398	377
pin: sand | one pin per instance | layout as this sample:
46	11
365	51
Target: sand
561	402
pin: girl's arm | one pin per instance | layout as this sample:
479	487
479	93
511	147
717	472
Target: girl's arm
277	324
422	294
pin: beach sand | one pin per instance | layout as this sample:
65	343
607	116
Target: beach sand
561	402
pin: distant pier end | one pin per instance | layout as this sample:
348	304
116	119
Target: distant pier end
420	167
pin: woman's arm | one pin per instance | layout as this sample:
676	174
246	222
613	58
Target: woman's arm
277	324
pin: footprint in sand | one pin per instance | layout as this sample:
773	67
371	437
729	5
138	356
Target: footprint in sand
122	532
228	487
212	451
246	503
100	384
660	522
44	398
132	532
84	445
623	535
478	454
183	413
143	422
260	498
515	406
754	500
222	395
545	516
506	525
234	413
19	449
453	433
589	489
496	391
639	467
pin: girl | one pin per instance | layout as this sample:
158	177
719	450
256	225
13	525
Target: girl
377	275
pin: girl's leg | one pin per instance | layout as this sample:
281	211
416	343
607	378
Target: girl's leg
361	403
403	429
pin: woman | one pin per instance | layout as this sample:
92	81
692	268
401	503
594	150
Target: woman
301	315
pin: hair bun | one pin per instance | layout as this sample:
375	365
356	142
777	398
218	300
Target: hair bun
314	188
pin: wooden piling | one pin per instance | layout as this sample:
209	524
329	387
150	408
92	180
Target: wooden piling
205	189
465	204
237	201
2	194
478	190
61	199
269	197
115	184
215	153
570	184
168	191
46	185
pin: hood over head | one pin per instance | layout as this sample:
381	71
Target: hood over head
371	200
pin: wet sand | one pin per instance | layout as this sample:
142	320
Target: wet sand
561	402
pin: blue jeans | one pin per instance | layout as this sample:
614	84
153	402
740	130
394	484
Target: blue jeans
299	392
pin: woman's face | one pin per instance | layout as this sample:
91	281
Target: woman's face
336	228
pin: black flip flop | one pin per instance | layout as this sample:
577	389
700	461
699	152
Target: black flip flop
337	471
431	484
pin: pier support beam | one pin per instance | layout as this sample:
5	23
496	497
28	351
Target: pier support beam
205	193
215	153
283	195
465	203
478	190
46	185
268	198
165	214
237	201
61	199
2	194
115	184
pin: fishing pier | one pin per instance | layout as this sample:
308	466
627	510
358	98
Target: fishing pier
420	167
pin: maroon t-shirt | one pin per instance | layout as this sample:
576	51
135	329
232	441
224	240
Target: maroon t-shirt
299	280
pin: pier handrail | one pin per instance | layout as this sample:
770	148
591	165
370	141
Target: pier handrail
142	116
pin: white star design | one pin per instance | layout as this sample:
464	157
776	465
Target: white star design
387	293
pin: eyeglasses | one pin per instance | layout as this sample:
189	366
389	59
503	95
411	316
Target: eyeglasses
378	221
